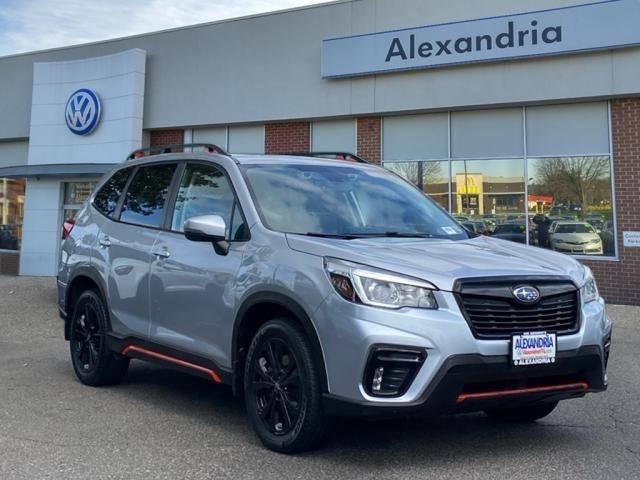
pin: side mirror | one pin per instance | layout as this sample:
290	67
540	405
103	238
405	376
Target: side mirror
208	228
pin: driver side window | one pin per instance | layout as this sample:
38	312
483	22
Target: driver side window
204	190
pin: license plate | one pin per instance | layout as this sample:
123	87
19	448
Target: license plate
533	349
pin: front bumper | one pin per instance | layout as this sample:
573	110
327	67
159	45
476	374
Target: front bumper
466	383
455	360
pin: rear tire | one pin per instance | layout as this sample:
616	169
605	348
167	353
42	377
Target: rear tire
526	414
282	389
93	362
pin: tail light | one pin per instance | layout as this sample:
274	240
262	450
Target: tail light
67	226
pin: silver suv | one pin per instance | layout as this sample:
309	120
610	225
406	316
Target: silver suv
317	287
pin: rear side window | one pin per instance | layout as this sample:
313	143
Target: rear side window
106	200
144	201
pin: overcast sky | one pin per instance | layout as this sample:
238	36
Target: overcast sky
27	25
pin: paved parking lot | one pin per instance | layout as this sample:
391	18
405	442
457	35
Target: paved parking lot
161	424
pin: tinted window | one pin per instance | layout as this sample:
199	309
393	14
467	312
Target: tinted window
106	200
204	190
145	198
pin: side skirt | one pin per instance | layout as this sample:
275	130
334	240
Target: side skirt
138	348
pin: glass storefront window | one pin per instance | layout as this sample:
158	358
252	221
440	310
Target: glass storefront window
11	213
539	175
430	177
570	203
75	194
488	197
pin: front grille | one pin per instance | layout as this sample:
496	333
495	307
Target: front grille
493	312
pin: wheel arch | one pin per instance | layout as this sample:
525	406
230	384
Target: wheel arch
254	312
82	280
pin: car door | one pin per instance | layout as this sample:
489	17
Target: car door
125	244
192	285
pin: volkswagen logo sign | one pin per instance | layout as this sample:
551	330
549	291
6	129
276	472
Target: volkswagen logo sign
82	112
526	294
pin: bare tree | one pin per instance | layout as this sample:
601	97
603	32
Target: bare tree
572	178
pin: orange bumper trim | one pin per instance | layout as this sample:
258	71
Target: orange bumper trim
150	353
584	386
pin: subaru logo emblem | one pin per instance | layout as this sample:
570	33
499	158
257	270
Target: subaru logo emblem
82	112
526	294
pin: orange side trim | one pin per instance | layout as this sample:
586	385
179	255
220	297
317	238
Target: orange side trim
150	353
584	386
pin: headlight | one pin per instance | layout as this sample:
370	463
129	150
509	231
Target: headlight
594	240
590	289
361	284
557	240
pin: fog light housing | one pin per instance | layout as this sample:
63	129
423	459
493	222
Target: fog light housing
391	370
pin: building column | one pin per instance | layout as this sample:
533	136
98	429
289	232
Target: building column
619	281
288	137
369	141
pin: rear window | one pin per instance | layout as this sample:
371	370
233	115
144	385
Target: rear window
106	200
144	202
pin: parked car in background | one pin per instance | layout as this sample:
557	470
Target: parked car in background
511	230
9	237
578	238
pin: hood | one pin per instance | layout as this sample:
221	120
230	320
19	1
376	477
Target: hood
442	262
575	237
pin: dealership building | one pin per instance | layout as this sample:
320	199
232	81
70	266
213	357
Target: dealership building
520	118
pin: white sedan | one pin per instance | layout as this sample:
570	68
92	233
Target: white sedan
575	237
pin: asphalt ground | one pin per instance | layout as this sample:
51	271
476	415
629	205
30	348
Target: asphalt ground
160	424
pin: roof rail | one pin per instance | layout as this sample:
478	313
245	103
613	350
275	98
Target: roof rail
332	155
150	151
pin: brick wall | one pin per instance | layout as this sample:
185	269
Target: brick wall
619	282
9	263
166	137
370	138
287	137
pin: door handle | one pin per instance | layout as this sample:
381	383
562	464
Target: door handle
164	253
105	242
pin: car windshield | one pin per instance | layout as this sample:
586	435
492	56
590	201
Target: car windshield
574	228
345	201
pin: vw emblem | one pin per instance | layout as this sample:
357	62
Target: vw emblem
82	112
526	294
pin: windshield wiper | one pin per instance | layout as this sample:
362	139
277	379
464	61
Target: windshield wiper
332	235
393	235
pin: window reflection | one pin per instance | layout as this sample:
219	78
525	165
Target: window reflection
570	203
11	213
488	195
430	177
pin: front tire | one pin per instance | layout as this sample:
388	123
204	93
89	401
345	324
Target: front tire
525	414
282	389
93	362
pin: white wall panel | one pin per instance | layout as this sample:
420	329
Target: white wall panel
215	135
334	136
41	228
13	153
117	79
415	137
487	133
246	139
568	129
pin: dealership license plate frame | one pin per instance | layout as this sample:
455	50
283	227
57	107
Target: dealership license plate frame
548	357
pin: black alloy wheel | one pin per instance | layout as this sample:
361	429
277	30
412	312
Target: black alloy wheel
92	360
86	339
283	388
276	386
